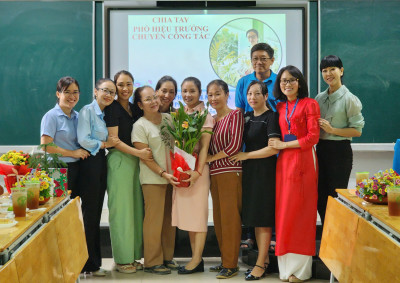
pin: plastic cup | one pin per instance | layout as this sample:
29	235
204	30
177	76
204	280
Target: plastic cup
394	201
33	192
361	176
19	201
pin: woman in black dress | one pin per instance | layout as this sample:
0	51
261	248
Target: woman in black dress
259	162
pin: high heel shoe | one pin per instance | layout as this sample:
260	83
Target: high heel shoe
250	277
198	268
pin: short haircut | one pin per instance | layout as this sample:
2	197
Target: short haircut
252	30
330	61
263	88
303	88
264	47
64	83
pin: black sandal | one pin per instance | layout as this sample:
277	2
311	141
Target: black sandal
250	277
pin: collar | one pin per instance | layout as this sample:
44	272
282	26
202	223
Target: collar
59	112
267	81
334	96
97	109
199	108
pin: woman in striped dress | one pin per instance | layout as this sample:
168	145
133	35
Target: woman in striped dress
226	178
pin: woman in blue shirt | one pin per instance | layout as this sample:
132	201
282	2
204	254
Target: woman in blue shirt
93	136
340	121
59	126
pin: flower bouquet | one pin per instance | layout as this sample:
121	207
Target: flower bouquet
46	184
13	164
181	137
374	189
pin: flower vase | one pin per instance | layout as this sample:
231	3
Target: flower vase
41	202
376	201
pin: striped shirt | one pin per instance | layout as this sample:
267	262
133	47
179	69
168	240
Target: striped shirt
227	137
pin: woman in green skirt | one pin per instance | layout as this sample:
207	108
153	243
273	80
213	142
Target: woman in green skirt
125	199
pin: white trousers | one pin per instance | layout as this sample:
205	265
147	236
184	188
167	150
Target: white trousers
295	264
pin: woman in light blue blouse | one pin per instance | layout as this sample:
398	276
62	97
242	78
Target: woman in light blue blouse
340	121
93	136
59	126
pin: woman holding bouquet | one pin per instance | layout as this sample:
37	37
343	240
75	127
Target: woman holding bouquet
190	205
226	178
125	199
259	170
296	176
340	121
158	234
93	136
59	125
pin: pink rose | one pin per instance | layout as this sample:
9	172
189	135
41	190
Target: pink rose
374	197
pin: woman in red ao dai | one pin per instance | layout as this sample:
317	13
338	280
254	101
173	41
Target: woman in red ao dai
296	176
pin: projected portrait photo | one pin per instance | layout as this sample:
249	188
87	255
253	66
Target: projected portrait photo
231	45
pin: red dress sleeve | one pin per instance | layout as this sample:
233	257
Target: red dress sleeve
312	114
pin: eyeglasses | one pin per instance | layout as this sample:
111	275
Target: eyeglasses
151	99
107	91
262	59
290	81
69	94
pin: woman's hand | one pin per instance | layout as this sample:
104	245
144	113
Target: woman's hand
209	158
112	141
239	157
80	153
170	178
194	175
325	125
145	154
277	144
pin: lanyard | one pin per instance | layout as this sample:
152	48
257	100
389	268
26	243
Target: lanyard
294	107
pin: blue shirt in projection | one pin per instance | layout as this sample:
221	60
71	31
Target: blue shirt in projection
62	129
241	91
92	129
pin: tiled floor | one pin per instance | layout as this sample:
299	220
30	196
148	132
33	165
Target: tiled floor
204	277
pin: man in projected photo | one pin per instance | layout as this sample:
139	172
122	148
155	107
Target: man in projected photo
262	58
252	36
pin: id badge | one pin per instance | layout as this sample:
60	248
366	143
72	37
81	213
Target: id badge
289	137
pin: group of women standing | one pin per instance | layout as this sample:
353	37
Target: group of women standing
278	170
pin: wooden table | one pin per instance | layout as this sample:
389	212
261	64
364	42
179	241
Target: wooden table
360	243
11	238
55	252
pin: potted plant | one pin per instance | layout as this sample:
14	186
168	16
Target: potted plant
51	164
374	189
181	137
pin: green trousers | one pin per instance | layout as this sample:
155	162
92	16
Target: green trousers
125	205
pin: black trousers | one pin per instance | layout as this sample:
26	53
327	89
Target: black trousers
73	178
93	184
335	161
